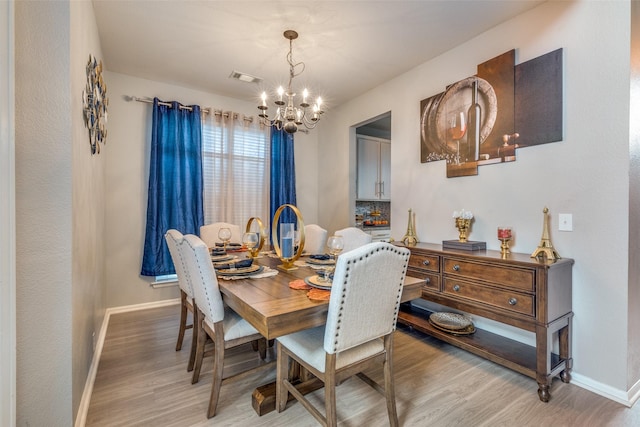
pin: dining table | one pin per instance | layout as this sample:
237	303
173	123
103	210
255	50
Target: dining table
275	309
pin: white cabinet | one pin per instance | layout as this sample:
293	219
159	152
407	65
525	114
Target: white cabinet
374	168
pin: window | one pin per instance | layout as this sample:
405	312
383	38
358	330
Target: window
235	164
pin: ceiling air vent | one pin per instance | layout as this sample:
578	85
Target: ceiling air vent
244	77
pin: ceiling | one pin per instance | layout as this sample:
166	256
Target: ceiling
349	47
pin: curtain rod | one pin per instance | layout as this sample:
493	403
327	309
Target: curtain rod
207	110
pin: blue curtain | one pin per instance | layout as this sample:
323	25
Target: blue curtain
283	176
175	182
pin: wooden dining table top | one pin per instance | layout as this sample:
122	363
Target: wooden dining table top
275	309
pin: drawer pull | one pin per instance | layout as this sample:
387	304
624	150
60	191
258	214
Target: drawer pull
427	280
513	301
456	288
426	262
456	267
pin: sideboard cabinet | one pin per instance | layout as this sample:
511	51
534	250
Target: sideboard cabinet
524	292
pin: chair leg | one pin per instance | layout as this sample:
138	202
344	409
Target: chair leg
282	370
389	384
202	339
262	348
183	319
330	391
194	339
218	367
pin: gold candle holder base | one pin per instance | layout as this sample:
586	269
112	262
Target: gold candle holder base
504	248
287	265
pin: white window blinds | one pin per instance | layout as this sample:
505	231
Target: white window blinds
235	162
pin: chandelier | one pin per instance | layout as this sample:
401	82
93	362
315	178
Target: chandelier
289	116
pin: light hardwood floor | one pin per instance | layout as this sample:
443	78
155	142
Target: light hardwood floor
142	381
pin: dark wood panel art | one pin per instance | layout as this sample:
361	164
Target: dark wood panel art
516	106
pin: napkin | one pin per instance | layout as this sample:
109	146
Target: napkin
238	264
218	252
266	272
229	245
322	257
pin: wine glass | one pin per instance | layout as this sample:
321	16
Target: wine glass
224	234
335	245
456	129
250	241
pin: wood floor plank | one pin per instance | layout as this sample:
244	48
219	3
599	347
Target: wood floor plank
142	381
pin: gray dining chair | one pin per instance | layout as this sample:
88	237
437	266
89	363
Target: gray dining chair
315	239
363	309
174	238
215	320
353	238
209	233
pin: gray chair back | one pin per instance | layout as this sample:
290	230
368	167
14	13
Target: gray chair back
365	295
206	292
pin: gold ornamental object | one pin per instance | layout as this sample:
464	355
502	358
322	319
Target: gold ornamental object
410	238
545	248
287	261
253	252
463	225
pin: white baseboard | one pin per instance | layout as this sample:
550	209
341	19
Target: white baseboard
83	408
611	393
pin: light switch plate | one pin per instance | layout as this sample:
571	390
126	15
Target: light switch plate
565	222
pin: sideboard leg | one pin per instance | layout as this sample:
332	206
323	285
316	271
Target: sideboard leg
543	392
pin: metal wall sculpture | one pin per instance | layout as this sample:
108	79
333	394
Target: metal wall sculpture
95	102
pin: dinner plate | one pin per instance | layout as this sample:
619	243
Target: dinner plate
246	271
465	331
221	258
450	321
317	283
321	261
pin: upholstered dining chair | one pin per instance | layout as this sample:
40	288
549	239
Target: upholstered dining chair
315	239
353	238
363	309
173	239
215	320
209	233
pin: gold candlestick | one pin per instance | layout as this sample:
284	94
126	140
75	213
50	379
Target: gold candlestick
504	235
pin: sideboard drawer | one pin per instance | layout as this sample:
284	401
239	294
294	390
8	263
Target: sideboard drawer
508	300
518	278
425	262
431	281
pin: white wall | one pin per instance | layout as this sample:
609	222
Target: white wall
127	179
587	174
88	196
44	214
59	211
7	220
